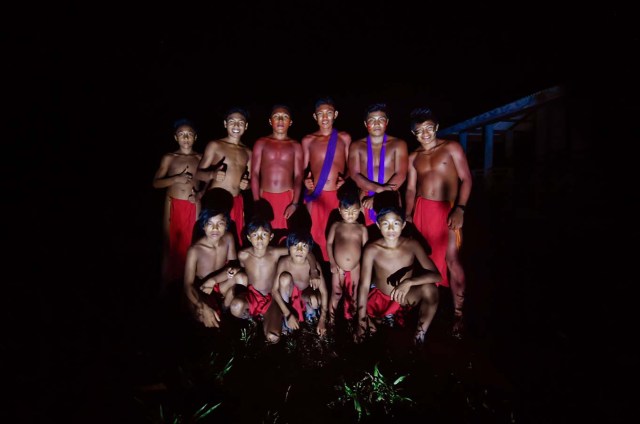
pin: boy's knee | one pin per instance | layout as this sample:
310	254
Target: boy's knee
272	338
239	308
429	293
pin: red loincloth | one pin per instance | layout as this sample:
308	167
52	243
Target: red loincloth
279	203
380	305
237	215
320	209
258	302
182	217
430	218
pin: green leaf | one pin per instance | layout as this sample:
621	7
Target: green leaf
399	380
201	413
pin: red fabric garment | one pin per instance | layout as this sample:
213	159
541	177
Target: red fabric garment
182	217
320	209
380	305
430	218
279	203
348	301
297	302
258	302
237	215
367	219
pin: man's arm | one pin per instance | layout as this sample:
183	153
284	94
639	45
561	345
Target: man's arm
297	171
456	217
330	239
400	159
200	311
256	159
355	172
204	174
410	193
162	180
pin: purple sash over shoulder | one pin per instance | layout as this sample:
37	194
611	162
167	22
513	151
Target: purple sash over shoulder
372	213
326	167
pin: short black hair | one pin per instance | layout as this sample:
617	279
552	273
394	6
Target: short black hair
390	209
326	100
237	109
376	107
296	237
183	121
207	214
420	115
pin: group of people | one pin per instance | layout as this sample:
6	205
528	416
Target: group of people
357	196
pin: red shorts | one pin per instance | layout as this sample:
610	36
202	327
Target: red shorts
258	302
279	203
430	218
182	217
380	305
320	209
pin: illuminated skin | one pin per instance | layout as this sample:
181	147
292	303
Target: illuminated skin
276	161
438	170
176	175
232	152
382	258
206	267
297	269
314	148
260	261
395	160
345	242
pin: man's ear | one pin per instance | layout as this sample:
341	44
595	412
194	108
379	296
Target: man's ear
246	125
335	114
404	224
271	237
225	123
315	117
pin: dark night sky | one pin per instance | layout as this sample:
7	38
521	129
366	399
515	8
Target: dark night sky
91	91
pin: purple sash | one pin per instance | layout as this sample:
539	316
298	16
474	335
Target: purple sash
326	167
372	213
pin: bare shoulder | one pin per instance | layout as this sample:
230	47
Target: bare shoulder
344	136
358	144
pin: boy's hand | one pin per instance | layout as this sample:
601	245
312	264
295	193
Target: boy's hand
399	292
315	281
292	322
209	317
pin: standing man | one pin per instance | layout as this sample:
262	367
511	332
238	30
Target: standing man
438	188
325	154
276	167
378	162
226	163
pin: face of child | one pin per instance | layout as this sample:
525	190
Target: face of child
236	124
280	120
299	251
391	226
216	226
350	214
324	115
260	238
185	136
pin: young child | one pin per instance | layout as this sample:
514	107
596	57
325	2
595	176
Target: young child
210	272
387	284
299	289
260	261
181	208
345	242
